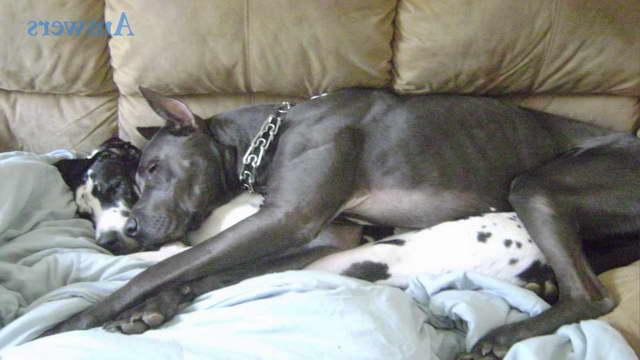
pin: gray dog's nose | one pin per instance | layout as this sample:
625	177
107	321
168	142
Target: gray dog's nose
131	227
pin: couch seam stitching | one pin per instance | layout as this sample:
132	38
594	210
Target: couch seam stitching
547	47
247	57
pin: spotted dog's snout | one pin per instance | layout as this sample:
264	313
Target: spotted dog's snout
109	240
111	229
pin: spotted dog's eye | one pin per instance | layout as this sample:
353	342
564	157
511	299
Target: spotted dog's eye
152	168
116	186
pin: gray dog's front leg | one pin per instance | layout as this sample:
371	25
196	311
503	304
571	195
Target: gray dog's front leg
162	307
594	194
263	234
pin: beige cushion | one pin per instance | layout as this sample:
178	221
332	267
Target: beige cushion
286	47
52	64
505	46
612	112
624	284
40	123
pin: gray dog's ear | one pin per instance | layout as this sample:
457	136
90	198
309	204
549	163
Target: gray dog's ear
175	112
147	132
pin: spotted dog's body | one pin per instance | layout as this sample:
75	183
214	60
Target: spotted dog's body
493	244
104	191
403	161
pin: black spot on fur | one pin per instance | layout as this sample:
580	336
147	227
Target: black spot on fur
508	242
537	272
398	242
483	236
513	261
368	270
513	218
519	244
125	213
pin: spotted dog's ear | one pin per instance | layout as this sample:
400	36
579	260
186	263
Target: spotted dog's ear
176	113
72	170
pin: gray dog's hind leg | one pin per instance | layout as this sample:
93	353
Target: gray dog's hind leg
162	307
590	194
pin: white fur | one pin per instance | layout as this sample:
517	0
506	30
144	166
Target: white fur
85	200
446	247
162	253
241	207
236	210
111	219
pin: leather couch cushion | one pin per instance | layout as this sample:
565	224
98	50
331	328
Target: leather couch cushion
41	123
624	285
620	113
48	63
285	47
504	46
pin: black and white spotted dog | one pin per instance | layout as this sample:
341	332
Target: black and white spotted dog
493	244
104	191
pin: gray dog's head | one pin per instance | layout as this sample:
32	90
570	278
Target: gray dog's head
181	177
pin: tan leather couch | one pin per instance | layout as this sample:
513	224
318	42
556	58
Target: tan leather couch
579	58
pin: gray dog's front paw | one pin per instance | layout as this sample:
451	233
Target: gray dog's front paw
485	350
494	345
150	314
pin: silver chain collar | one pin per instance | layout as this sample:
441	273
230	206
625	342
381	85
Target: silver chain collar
259	145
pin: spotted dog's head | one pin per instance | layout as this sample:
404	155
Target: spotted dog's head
104	191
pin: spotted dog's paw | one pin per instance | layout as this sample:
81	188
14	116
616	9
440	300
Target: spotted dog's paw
547	290
150	314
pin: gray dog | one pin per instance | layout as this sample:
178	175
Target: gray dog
372	156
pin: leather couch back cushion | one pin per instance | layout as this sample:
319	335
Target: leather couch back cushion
44	122
34	59
501	46
620	113
286	47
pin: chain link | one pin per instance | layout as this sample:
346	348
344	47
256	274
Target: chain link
259	145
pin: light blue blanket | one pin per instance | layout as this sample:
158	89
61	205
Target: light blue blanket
50	269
